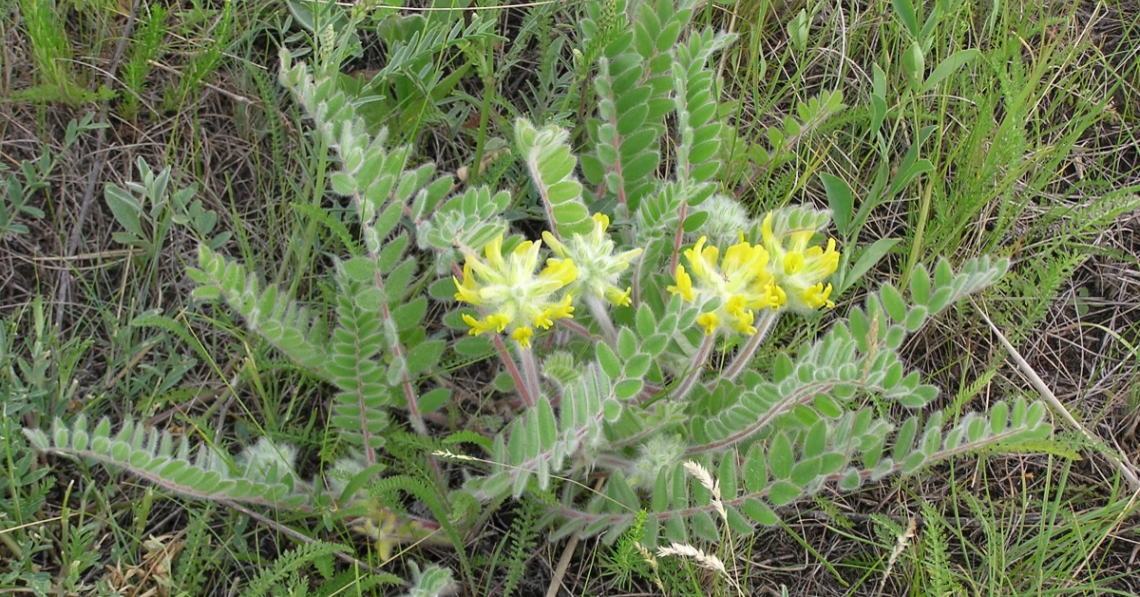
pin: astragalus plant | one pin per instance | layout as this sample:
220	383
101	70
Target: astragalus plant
624	333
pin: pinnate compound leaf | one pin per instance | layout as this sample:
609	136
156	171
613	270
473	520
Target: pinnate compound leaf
147	454
546	152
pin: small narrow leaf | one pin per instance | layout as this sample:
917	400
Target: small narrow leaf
947	67
904	9
755	470
125	208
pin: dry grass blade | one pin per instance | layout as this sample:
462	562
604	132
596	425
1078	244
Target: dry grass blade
1127	469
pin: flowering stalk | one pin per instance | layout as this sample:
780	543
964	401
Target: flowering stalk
739	286
602	316
530	375
528	398
693	374
599	270
800	269
767	321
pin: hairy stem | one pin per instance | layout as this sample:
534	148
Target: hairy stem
530	374
513	369
598	310
694	374
767	321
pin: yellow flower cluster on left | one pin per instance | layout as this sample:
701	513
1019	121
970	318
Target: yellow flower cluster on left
512	297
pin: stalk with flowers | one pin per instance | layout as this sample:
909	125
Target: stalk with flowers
624	338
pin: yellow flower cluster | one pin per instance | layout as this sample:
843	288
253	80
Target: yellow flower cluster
800	269
514	299
742	283
599	269
781	271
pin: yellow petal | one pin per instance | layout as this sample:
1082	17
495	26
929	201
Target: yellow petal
736	258
708	257
617	297
793	263
522	335
468	290
709	321
476	326
816	296
684	285
560	271
694	257
555	245
543	320
498	321
563	309
743	323
735	305
494	253
601	220
766	233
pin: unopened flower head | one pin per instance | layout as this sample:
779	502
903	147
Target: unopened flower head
800	269
741	282
726	218
513	298
599	269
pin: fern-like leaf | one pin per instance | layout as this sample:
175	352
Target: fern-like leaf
168	463
284	323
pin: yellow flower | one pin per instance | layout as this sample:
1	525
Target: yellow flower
388	529
709	320
740	281
513	297
799	269
618	297
599	269
684	285
522	336
495	322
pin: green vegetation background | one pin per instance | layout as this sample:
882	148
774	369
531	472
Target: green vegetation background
1027	149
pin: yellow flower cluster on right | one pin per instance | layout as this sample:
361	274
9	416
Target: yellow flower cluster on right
800	269
742	283
781	271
